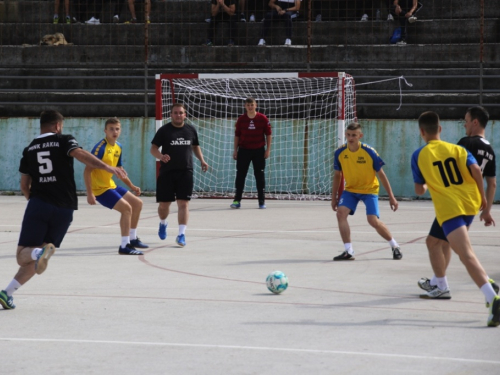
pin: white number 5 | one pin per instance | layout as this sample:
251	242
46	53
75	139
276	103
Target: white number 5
44	161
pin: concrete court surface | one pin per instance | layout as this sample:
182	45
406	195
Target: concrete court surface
205	309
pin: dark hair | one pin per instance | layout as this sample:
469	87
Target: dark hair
111	120
480	114
179	105
250	100
429	122
354	126
49	118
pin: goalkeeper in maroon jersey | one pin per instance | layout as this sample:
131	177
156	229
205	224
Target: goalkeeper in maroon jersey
252	144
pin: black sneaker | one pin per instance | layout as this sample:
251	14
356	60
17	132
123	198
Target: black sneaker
138	243
129	250
396	253
494	317
344	256
495	288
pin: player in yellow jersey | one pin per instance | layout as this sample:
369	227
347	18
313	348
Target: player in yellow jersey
455	183
101	188
360	165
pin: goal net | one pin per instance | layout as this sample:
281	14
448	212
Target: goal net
308	114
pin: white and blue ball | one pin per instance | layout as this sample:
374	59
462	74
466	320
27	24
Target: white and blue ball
277	282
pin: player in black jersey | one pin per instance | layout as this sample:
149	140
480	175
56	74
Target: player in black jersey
476	119
47	181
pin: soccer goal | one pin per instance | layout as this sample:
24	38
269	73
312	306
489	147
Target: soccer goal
308	114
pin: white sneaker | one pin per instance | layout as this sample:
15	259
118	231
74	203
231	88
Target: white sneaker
390	17
207	20
437	293
401	43
364	18
318	18
412	19
116	18
93	21
252	18
262	42
288	42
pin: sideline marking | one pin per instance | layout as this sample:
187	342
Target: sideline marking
259	348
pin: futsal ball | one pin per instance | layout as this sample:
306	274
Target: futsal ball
277	282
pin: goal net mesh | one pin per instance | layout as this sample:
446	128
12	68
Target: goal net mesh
305	116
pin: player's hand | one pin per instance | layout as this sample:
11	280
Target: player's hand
136	190
165	158
408	15
397	10
266	154
204	166
235	155
487	218
394	204
91	199
335	204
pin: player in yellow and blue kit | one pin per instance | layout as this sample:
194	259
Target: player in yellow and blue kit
101	188
360	165
455	183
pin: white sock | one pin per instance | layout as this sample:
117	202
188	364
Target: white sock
125	241
393	243
182	229
434	280
133	234
12	287
488	292
442	283
348	248
35	252
164	221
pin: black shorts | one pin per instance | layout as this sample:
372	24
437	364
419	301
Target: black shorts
174	185
44	223
437	231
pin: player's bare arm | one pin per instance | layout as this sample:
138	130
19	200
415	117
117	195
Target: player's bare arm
87	178
25	185
135	189
90	160
420	189
155	151
491	186
477	175
387	186
337	179
199	155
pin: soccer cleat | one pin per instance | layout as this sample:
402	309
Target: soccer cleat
93	21
116	18
138	243
56	20
181	240
252	18
235	204
364	18
412	19
494	317
318	18
262	206
6	301
162	231
129	250
68	19
262	43
436	293
43	257
396	253
288	42
495	288
425	284
344	256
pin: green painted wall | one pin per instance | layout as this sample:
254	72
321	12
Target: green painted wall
394	140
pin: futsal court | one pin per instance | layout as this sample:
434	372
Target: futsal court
205	308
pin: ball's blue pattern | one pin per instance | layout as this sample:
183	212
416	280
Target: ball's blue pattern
277	282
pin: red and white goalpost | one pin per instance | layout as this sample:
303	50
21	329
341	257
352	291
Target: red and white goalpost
308	114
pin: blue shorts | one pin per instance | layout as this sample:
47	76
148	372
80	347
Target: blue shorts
457	222
437	231
44	223
351	200
111	196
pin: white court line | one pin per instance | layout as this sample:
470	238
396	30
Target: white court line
257	348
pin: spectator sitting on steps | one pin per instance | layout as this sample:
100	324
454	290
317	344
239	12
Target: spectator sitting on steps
222	11
404	11
147	11
286	10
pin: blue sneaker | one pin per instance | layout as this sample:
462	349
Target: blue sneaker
235	204
181	240
262	206
138	243
129	250
6	301
162	231
42	260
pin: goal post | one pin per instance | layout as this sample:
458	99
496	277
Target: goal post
308	114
